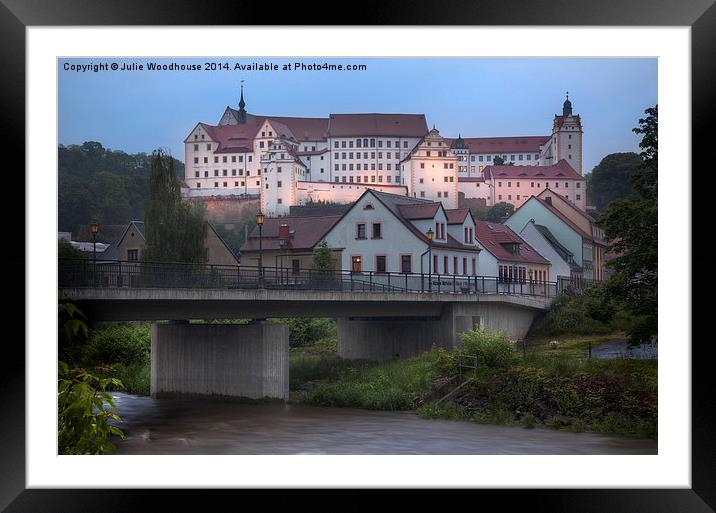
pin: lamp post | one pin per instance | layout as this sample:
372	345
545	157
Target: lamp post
260	223
281	244
94	229
531	285
430	259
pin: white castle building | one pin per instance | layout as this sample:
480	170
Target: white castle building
293	160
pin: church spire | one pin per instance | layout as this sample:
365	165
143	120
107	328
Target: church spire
242	104
567	107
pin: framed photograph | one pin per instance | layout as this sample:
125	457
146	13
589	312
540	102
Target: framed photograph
415	177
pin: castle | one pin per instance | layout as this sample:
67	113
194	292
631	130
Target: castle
293	160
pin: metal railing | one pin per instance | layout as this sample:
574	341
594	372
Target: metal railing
134	274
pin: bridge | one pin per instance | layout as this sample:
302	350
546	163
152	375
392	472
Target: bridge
380	316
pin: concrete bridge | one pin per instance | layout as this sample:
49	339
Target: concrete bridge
379	316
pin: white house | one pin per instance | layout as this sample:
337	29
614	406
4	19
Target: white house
385	232
544	241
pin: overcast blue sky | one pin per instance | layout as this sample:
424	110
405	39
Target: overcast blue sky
139	111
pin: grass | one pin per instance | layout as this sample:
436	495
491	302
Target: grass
395	385
549	387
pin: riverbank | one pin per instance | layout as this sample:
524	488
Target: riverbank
546	383
549	383
205	426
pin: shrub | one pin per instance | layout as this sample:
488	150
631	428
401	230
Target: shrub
493	350
305	332
127	344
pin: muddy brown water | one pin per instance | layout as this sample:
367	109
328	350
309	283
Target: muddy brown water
200	426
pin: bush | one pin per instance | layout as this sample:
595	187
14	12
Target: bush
127	344
307	331
493	350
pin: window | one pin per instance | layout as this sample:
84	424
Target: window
296	266
278	184
474	267
360	231
198	186
464	266
377	233
132	255
216	160
196	174
356	264
380	263
579	196
206	160
406	264
445	265
454	265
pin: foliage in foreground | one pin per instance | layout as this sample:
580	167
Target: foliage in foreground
84	411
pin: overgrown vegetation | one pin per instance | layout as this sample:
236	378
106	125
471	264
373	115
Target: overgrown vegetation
550	385
591	312
85	417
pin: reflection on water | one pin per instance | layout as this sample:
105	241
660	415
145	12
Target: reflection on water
201	426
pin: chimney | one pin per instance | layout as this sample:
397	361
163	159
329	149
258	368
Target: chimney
548	200
284	232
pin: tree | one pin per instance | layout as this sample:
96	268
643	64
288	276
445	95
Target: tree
68	251
323	259
610	179
497	213
499	161
175	231
631	226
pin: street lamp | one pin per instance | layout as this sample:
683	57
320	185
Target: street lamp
260	223
430	259
531	284
94	229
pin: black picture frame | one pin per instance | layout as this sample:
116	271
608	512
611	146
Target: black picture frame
700	15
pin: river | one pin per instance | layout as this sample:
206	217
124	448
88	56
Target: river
201	426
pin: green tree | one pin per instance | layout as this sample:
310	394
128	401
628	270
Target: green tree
631	226
610	179
497	213
499	161
323	259
175	231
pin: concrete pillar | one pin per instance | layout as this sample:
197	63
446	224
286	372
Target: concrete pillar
227	360
381	339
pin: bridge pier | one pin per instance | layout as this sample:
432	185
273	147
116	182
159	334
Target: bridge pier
227	360
387	338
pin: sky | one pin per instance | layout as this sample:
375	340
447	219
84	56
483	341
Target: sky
142	110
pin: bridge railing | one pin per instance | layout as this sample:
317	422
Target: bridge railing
134	274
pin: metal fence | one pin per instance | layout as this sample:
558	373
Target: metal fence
111	274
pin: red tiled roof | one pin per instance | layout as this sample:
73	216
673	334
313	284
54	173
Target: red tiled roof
561	170
457	215
302	129
559	121
492	235
306	232
232	138
391	125
523	144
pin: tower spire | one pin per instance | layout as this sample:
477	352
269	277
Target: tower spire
567	107
242	104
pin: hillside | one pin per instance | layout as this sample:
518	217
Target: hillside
97	183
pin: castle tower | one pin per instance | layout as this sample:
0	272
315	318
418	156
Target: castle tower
567	137
242	104
281	170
